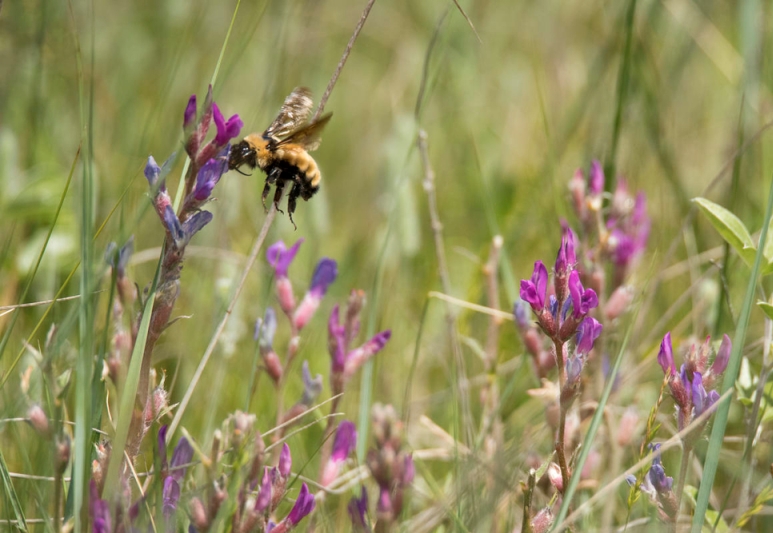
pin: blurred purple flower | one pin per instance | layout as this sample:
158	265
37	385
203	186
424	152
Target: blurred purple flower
358	511
657	474
99	511
209	174
324	274
304	505
344	444
357	357
285	461
263	501
566	258
280	257
226	129
171	495
534	291
666	355
312	386
596	178
409	471
152	171
722	357
583	300
265	329
587	333
189	116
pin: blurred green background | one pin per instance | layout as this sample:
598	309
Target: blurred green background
509	117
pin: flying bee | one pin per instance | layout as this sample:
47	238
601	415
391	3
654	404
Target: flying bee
282	151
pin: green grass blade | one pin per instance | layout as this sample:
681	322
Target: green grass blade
124	416
720	420
11	497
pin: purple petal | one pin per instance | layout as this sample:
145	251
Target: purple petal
534	291
312	387
325	274
596	184
99	511
264	495
171	494
265	328
285	461
173	226
659	480
409	470
666	355
699	394
303	506
208	176
723	356
587	333
226	129
162	446
280	257
358	511
567	257
182	455
152	171
190	113
195	223
345	441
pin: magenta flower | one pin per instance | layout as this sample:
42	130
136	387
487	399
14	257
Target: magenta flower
304	505
263	500
285	461
567	257
666	355
358	511
226	129
99	510
535	291
280	257
324	274
596	178
723	356
587	333
344	444
583	300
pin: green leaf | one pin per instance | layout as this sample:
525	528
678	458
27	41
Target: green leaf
730	228
766	308
767	250
11	497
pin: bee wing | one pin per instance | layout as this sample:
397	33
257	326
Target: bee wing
294	112
308	136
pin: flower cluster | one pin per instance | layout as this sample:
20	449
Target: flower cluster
345	360
563	315
390	465
623	229
691	385
659	487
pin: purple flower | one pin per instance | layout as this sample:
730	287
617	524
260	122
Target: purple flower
189	116
173	226
723	356
304	505
265	329
312	386
701	399
358	511
99	511
182	233
587	333
657	474
534	291
357	357
573	367
666	355
324	275
181	457
596	178
209	175
263	500
162	447
583	300
171	495
344	444
193	224
280	257
285	461
226	129
152	171
409	471
521	316
567	257
117	258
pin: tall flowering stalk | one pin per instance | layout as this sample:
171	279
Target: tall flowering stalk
563	318
209	160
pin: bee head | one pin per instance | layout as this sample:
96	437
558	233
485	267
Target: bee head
242	153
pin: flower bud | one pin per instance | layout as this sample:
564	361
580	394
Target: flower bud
39	421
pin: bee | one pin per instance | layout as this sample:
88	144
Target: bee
282	151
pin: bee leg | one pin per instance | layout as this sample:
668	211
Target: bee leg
266	190
295	192
278	195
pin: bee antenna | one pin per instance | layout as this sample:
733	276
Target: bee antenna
242	173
